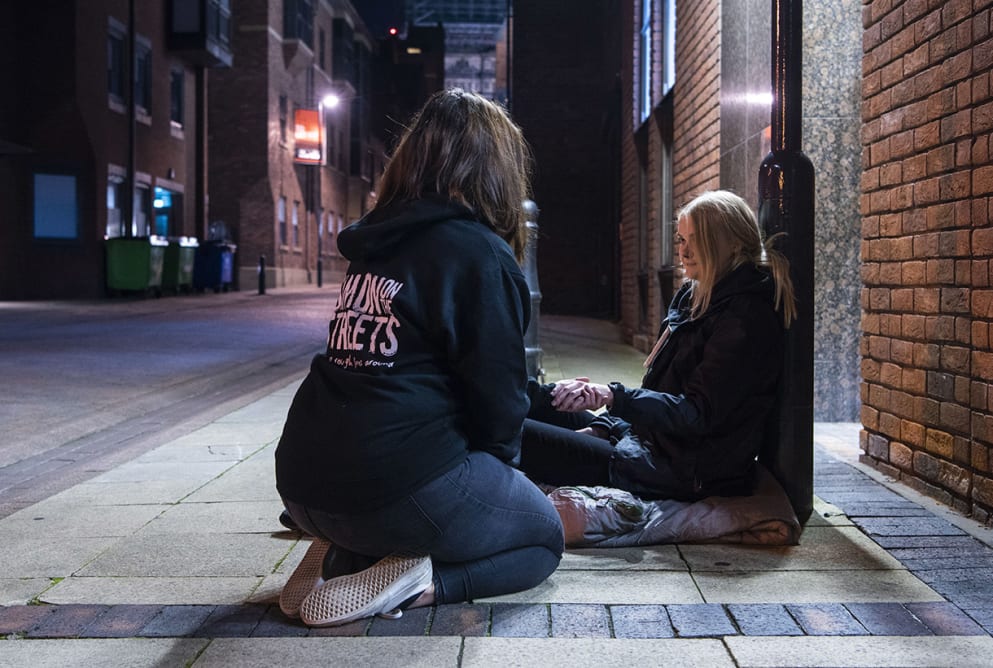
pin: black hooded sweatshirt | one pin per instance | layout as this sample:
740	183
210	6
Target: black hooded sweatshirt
705	407
425	361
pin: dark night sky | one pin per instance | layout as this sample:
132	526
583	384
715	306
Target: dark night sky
379	15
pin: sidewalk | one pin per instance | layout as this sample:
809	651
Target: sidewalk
177	558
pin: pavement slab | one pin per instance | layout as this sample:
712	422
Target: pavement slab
877	651
120	653
594	653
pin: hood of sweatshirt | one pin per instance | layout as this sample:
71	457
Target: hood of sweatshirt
383	228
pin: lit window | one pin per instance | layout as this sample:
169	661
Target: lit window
281	217
296	224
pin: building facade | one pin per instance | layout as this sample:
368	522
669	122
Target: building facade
84	156
293	56
697	113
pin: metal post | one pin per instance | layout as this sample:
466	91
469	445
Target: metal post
261	274
786	204
532	350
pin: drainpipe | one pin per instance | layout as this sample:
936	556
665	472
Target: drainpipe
129	213
786	204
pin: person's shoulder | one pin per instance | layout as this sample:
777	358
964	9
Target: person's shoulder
471	239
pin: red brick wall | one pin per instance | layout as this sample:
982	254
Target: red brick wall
696	151
927	241
697	143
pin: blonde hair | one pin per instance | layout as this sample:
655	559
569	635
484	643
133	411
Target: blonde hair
466	148
727	235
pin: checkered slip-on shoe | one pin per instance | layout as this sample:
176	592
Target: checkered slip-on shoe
305	579
382	589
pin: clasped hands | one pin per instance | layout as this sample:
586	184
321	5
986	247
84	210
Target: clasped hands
579	394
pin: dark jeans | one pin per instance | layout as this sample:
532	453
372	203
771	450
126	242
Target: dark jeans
489	531
554	453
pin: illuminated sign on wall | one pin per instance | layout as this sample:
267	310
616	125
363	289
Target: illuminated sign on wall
308	137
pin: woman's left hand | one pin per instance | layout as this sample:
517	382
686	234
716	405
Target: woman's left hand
579	394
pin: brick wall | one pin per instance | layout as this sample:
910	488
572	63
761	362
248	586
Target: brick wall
927	241
695	155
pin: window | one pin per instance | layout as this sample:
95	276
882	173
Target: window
116	61
142	211
283	112
298	21
168	211
115	204
56	206
645	61
281	217
656	46
143	78
296	224
219	20
177	79
668	47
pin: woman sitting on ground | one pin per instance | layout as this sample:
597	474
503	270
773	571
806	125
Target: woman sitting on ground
695	426
396	449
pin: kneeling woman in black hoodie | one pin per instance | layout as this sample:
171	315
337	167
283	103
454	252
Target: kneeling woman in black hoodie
395	453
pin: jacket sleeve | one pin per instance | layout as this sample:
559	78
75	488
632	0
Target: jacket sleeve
492	309
738	360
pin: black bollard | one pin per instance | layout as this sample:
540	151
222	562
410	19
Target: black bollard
261	274
320	272
786	205
532	349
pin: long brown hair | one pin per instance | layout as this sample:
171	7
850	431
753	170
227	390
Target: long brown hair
465	147
728	235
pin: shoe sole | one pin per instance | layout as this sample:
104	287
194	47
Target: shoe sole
304	580
381	588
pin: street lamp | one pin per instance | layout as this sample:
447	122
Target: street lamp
329	101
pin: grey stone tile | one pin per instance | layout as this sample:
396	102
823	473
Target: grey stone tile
913	542
47	556
359	627
520	620
21	591
274	624
655	557
966	594
231	621
22	618
122	621
413	623
188	555
412	652
813	587
102	652
764	619
921	566
579	621
888	619
826	619
174	621
868	651
164	591
945	619
66	621
983	616
820	549
641	621
260	517
463	619
69	520
609	587
908	526
594	653
699	621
